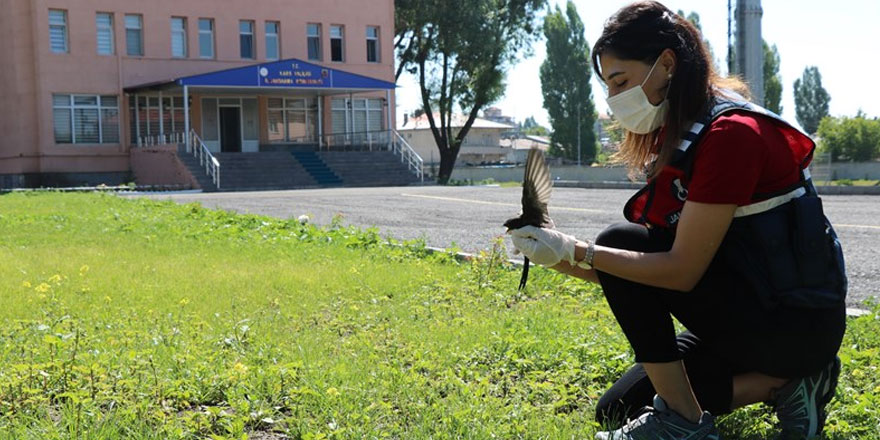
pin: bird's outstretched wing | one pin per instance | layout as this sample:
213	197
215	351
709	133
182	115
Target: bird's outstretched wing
536	190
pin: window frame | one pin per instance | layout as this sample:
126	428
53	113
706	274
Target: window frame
106	27
99	106
307	106
64	30
243	34
210	32
277	36
140	30
183	32
341	39
318	38
377	47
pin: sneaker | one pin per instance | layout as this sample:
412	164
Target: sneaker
800	404
661	423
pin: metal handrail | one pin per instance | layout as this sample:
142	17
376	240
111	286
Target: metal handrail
161	139
206	159
409	156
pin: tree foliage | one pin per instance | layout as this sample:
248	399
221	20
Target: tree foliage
772	79
694	18
531	127
856	139
460	51
810	99
565	84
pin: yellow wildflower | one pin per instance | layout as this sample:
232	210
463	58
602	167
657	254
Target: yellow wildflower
43	288
26	284
332	391
83	270
240	368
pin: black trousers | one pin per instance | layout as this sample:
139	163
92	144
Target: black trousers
728	331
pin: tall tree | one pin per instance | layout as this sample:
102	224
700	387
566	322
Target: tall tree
460	51
772	79
565	84
531	127
810	99
694	18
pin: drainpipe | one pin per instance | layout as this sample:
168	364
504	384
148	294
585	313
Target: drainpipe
320	122
186	116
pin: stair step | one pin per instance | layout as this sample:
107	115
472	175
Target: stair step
302	169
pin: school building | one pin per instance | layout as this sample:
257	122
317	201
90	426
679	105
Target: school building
110	91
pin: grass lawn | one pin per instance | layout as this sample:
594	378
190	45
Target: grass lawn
142	319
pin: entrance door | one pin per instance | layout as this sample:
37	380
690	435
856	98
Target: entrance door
230	129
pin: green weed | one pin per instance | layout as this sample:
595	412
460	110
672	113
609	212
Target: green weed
132	318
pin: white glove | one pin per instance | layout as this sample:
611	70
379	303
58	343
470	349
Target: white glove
543	246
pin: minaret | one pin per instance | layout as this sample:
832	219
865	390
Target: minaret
749	47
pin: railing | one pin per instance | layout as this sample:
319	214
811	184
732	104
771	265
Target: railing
384	140
361	141
205	158
161	139
408	156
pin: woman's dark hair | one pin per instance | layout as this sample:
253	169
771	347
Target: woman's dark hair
642	31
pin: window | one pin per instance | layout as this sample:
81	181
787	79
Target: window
145	119
178	37
337	48
86	119
356	115
134	36
104	32
58	30
273	51
246	36
292	120
313	36
372	44
206	37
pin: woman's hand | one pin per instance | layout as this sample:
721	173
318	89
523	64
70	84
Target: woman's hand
543	246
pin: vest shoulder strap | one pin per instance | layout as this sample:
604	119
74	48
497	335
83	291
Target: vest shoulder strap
726	102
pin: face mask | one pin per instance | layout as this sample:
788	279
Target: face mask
635	112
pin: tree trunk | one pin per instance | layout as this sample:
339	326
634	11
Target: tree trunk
447	163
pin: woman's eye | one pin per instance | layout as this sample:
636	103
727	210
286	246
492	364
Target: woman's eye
623	83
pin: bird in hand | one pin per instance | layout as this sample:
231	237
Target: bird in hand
537	187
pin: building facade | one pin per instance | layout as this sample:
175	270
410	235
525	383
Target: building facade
483	143
84	82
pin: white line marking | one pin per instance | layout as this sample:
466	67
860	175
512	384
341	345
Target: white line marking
838	225
514	205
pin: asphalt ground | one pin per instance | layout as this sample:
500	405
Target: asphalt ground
471	217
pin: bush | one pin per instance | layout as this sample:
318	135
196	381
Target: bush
855	139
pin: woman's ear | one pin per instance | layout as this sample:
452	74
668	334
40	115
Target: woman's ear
668	61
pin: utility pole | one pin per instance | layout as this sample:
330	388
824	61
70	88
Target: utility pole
749	48
730	70
579	131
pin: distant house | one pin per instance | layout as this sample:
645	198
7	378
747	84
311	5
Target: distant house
483	143
519	147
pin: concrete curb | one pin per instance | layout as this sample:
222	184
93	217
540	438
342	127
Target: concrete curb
849	190
823	190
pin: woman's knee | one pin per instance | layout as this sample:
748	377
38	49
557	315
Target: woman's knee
634	237
629	394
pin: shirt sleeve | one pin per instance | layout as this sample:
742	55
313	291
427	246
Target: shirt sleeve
729	161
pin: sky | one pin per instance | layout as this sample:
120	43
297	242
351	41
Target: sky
840	37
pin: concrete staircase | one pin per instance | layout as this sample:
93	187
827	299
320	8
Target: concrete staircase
278	170
369	168
317	168
253	172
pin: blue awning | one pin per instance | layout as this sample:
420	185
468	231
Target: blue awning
284	74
